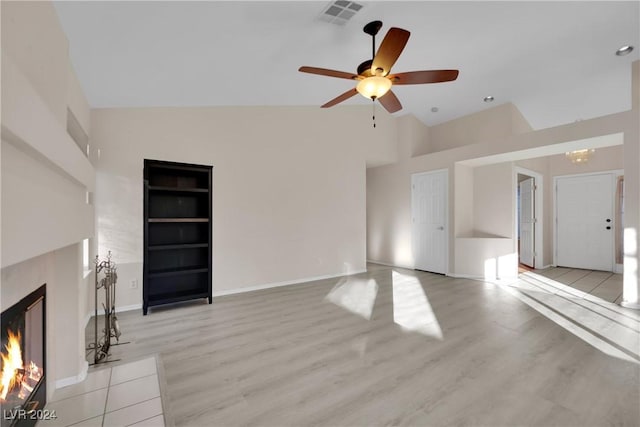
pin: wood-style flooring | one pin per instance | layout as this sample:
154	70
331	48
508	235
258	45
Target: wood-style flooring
392	347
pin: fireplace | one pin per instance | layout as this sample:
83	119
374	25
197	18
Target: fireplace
23	355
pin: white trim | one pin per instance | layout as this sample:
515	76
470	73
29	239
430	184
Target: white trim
128	308
447	210
618	269
632	305
131	307
285	283
466	276
64	382
87	318
538	233
388	264
483	279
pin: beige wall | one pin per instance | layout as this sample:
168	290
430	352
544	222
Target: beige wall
492	200
44	179
77	102
288	186
604	159
33	38
493	123
488	139
632	198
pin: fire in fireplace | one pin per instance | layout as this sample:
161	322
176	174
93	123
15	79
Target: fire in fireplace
22	358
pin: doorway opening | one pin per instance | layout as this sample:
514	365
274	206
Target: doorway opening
529	222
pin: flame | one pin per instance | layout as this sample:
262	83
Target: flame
11	364
13	373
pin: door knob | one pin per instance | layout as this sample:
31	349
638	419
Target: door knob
608	219
608	227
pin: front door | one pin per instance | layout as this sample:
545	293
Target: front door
429	210
584	215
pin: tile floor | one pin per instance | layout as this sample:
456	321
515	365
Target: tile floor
603	285
123	395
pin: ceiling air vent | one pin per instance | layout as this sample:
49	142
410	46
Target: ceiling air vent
339	12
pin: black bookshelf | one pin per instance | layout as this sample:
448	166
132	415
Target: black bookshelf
177	233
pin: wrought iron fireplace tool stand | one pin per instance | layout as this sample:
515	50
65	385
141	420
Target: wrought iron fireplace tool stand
102	344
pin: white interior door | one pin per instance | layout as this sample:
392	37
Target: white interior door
584	215
429	209
526	222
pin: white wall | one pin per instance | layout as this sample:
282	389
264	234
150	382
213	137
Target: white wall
288	186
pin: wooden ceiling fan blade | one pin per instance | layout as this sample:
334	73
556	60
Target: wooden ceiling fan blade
422	77
390	102
328	73
389	50
348	94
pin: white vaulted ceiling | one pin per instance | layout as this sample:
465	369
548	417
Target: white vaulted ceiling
554	60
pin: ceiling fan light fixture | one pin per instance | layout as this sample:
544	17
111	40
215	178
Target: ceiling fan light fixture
373	87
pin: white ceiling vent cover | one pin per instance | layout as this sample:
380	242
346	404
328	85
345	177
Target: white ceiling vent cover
339	12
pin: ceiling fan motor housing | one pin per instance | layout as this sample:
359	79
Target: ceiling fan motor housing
364	69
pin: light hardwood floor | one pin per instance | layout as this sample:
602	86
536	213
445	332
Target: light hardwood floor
334	353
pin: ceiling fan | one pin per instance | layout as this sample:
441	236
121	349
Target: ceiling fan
374	80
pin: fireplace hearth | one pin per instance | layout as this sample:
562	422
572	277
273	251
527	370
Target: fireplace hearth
22	360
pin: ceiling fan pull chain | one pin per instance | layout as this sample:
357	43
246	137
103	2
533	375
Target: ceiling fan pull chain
374	111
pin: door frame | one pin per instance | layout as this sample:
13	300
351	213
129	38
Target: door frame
615	173
538	229
445	172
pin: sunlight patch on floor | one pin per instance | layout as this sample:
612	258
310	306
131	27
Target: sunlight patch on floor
411	308
604	325
355	295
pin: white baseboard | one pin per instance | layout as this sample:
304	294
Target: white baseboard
618	269
544	267
387	264
506	279
87	318
128	308
131	307
64	382
633	305
466	276
285	283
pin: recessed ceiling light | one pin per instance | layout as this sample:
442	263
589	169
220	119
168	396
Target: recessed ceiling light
488	98
624	50
434	109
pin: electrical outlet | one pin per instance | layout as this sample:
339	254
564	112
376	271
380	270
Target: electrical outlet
133	284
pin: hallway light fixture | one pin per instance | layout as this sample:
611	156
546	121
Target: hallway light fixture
579	157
